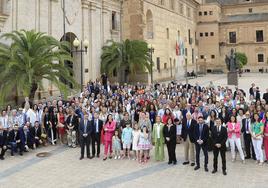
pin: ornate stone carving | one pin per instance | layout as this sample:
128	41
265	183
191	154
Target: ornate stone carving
72	9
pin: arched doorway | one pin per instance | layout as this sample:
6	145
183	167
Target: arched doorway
149	24
69	37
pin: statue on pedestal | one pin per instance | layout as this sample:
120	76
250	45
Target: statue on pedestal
232	66
231	62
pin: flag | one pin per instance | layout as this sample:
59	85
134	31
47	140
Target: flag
177	49
181	47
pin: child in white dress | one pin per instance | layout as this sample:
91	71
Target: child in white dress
116	145
144	144
136	135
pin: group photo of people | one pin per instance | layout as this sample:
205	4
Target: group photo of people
136	122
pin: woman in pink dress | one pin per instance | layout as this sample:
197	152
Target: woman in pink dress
234	134
265	140
108	129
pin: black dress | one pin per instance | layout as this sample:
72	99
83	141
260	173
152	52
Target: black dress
170	132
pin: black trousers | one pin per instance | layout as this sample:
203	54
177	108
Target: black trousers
3	151
216	152
171	147
205	151
96	139
37	142
84	142
249	146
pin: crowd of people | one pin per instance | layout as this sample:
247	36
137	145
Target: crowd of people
131	120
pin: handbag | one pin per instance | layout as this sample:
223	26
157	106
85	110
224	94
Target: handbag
43	134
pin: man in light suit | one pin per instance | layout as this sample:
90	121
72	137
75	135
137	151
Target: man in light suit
188	125
85	130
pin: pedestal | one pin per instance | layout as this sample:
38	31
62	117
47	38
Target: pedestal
232	78
180	71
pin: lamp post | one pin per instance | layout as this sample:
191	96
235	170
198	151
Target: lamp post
186	69
151	51
205	58
85	44
196	67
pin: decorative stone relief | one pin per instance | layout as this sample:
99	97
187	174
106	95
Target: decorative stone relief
72	9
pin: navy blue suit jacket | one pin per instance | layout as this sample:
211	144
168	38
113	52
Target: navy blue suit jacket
203	136
81	128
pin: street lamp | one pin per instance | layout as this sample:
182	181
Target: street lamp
151	51
196	68
85	44
205	58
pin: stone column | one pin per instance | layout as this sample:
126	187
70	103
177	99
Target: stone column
106	24
96	40
86	35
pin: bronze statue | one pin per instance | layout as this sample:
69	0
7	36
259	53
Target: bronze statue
231	62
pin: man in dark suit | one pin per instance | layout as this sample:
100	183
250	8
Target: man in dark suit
36	133
187	86
14	140
257	94
188	125
246	128
97	124
3	142
85	130
265	96
26	137
251	92
219	137
200	137
186	110
197	87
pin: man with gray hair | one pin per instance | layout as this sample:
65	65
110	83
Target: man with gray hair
188	125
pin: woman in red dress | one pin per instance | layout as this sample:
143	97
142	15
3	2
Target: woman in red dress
167	115
61	128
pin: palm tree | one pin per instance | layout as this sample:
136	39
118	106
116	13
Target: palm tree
125	57
30	58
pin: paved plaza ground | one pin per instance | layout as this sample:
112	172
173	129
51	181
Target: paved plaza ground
244	82
64	169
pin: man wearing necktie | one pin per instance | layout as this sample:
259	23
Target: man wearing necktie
219	137
188	125
201	134
85	130
97	125
246	127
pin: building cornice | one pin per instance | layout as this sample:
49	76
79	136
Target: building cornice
238	22
172	11
245	5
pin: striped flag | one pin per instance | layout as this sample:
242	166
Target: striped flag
181	47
